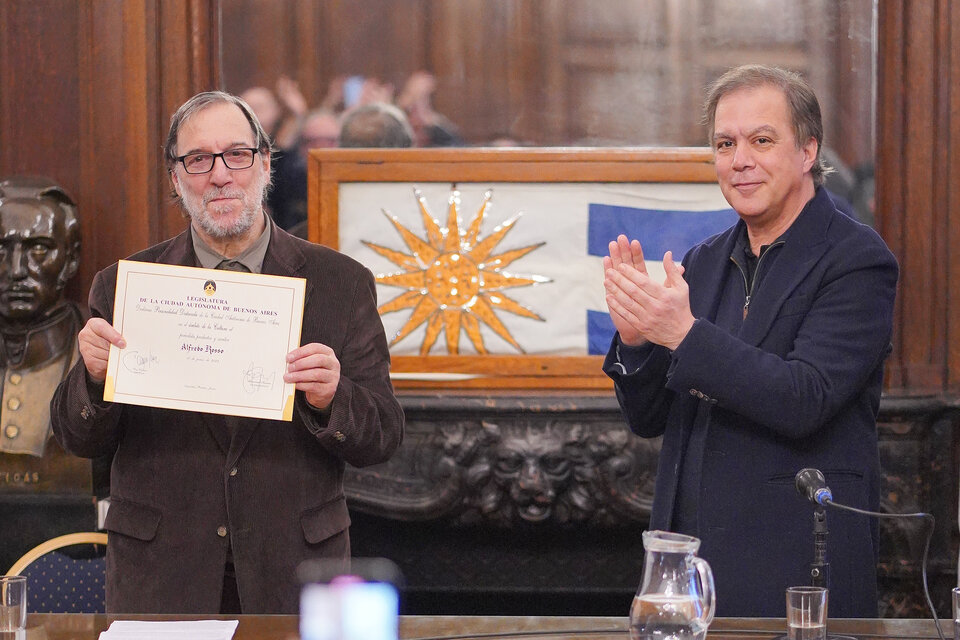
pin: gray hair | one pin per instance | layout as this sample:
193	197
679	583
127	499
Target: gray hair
377	124
802	102
200	102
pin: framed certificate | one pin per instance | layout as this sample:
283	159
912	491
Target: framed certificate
204	340
489	261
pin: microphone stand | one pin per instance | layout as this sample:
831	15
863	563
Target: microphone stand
811	484
820	568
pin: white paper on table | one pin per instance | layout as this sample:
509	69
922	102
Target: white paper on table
165	630
204	340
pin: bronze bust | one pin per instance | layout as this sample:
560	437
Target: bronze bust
39	253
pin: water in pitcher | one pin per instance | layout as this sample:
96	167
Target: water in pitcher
666	617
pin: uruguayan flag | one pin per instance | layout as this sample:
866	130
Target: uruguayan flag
548	298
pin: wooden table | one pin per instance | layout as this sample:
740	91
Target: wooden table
89	626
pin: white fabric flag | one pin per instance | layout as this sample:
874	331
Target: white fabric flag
553	254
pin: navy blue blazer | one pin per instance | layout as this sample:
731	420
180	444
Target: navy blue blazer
745	403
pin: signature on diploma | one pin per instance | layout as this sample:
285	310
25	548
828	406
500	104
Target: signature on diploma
256	379
136	362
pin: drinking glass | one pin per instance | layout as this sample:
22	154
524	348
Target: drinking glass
13	603
806	613
956	613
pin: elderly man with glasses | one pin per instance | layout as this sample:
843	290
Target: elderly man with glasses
212	513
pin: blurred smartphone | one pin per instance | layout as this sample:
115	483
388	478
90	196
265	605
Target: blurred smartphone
352	90
363	604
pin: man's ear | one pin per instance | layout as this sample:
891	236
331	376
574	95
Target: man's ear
175	181
810	150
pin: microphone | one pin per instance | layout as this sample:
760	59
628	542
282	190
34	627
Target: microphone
812	485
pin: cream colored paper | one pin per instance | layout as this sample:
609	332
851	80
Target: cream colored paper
204	340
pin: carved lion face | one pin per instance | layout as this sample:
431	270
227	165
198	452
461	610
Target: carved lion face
533	467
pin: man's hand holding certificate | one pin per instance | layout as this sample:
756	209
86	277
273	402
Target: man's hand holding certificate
211	341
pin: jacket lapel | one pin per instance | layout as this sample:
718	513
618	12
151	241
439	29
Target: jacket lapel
706	287
804	245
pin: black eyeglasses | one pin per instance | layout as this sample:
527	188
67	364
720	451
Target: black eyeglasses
239	158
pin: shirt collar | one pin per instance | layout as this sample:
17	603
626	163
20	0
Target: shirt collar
251	257
742	245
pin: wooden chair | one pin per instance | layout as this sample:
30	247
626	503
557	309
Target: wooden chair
65	577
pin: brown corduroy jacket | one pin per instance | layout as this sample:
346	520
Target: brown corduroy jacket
187	486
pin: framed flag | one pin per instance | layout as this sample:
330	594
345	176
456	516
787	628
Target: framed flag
488	262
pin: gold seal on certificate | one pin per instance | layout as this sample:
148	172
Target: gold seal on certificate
204	340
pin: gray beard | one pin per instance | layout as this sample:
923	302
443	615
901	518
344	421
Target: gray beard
197	211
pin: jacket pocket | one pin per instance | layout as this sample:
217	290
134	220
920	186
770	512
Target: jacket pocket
836	476
325	521
132	519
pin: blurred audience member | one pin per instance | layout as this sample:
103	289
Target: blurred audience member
432	129
377	124
287	199
266	107
320	130
280	111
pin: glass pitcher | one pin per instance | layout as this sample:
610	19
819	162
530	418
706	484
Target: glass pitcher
676	598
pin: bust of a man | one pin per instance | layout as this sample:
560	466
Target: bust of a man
39	253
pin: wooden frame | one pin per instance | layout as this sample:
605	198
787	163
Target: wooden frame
329	169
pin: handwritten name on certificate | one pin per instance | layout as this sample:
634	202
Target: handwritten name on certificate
204	340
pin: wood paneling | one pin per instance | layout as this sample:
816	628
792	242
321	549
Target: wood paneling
87	91
40	95
39	77
948	159
918	183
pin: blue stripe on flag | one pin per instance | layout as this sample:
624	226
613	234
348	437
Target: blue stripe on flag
600	332
658	231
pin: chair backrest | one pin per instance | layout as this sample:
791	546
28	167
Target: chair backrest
65	574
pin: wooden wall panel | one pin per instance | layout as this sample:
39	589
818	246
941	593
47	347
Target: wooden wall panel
38	75
39	95
917	187
87	91
949	161
114	132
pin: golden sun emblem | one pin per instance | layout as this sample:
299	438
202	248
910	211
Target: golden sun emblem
453	278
